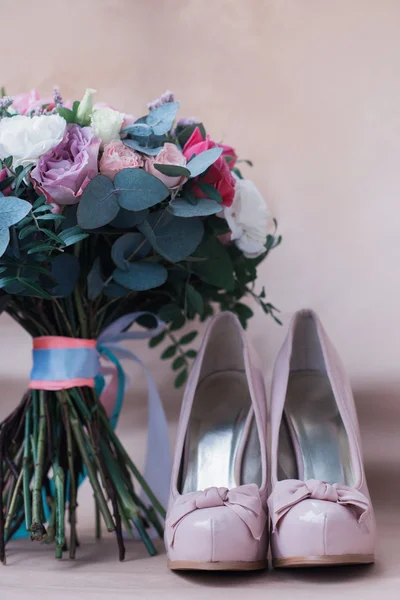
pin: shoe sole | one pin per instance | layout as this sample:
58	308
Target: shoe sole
296	562
187	565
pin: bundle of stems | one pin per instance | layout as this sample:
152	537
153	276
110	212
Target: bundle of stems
53	439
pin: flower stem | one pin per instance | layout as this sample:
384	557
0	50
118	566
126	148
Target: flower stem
80	440
38	531
27	471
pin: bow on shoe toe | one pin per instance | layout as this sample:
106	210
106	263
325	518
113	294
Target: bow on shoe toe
244	500
289	492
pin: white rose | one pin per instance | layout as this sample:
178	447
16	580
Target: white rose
26	139
248	219
106	124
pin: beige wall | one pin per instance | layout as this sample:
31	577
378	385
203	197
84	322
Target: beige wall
310	90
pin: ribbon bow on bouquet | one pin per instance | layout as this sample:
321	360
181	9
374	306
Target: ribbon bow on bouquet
61	363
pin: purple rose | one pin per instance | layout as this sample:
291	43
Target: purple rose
63	173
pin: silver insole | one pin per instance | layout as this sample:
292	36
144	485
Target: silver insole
319	443
222	447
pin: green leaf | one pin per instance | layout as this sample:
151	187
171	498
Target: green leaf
12	210
181	378
191	353
53	236
95	280
6	183
169	312
66	114
50	217
20	177
72	235
65	268
127	246
138	190
210	191
172	170
4	239
113	290
157	340
243	312
162	118
6	280
188	337
173	237
218	268
34	288
41	248
194	299
40	202
203	208
25	231
98	204
45	208
141	276
178	363
201	162
187	132
168	352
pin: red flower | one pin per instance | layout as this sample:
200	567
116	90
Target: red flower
219	174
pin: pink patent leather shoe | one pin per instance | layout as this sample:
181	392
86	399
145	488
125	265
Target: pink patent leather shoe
217	514
320	507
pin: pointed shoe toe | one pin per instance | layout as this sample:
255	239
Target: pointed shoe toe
318	533
231	536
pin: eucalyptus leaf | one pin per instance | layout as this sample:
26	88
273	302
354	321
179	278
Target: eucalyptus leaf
210	191
12	210
162	118
127	219
145	149
95	280
141	276
127	246
65	269
98	204
113	290
172	170
138	129
175	238
201	162
203	208
138	190
4	239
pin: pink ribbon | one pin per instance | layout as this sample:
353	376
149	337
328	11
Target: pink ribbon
244	500
289	492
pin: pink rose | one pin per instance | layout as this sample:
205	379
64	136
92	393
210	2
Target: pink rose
169	155
31	101
219	174
3	175
63	173
117	156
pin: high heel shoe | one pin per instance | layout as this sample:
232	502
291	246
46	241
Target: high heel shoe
216	519
320	507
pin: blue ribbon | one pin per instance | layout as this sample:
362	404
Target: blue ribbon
63	364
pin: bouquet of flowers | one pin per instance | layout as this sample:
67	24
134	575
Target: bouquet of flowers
107	220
